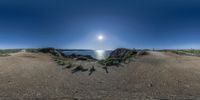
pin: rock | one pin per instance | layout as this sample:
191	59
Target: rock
122	52
59	53
117	56
150	85
51	51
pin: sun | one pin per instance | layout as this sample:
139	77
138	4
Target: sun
100	37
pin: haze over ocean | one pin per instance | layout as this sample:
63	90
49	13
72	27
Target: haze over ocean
161	24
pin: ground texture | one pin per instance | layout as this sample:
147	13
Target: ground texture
154	76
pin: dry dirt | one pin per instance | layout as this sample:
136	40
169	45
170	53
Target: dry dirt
162	76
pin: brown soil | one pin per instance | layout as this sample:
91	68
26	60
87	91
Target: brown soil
154	76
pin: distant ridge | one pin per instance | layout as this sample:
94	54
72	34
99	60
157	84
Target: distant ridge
75	49
78	50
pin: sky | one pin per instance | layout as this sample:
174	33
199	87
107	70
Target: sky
76	24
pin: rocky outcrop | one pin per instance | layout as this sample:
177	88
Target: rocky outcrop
117	56
59	53
122	53
52	51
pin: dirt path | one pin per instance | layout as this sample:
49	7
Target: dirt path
155	76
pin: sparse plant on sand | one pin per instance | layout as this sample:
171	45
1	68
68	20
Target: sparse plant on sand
190	52
68	65
79	68
4	55
110	61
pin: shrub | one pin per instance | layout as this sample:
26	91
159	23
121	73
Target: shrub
117	56
69	65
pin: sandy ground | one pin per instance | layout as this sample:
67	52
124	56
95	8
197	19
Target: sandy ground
162	76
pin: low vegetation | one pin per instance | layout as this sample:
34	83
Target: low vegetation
191	52
32	50
4	55
6	52
118	56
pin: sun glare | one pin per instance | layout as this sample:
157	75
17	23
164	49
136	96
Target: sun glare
100	37
100	54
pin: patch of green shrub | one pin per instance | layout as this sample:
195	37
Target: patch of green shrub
184	51
69	65
7	51
110	61
118	56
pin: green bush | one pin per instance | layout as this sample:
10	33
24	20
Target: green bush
118	56
110	61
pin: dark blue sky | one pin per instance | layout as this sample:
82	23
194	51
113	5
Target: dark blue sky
76	23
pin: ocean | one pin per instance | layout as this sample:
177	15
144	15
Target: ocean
98	54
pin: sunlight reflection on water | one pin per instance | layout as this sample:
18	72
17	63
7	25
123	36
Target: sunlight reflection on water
100	54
